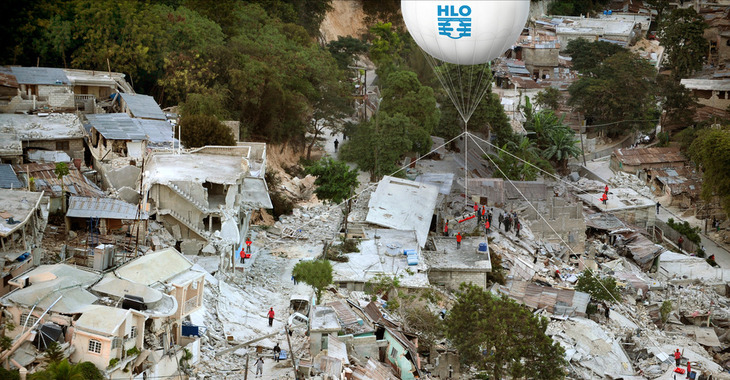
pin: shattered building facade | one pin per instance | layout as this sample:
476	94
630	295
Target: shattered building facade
196	203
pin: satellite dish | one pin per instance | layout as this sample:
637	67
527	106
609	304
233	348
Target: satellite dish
465	32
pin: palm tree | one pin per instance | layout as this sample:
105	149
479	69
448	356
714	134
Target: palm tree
562	147
62	370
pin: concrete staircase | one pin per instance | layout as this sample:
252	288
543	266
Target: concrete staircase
190	225
188	198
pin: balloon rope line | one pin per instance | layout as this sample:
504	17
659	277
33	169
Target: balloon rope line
557	178
466	164
618	304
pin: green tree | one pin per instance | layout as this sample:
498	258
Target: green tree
562	146
587	56
677	102
404	94
621	89
386	48
89	371
682	33
317	273
665	310
202	130
330	108
378	144
549	98
710	151
335	180
54	352
345	49
603	289
502	337
61	171
521	167
62	370
576	7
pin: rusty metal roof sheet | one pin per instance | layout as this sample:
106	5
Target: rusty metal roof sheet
8	80
47	180
642	250
639	156
555	300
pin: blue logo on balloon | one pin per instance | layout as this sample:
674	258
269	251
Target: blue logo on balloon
448	16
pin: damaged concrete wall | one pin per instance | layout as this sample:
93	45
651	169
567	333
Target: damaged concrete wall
452	278
565	217
639	216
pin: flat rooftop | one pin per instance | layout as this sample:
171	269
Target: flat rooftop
167	263
381	252
39	128
403	205
198	167
17	204
467	258
101	319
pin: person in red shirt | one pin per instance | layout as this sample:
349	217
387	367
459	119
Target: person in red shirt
677	356
446	228
689	368
604	198
271	317
243	256
248	244
458	240
486	227
605	190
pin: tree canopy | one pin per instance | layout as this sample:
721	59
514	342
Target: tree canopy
316	273
711	152
335	180
620	89
682	33
201	130
603	289
502	337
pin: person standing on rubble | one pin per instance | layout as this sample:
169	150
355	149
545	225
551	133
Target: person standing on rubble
446	228
271	317
479	215
679	242
458	240
248	244
486	227
277	352
337	143
259	366
243	256
518	226
677	356
657	207
500	219
489	216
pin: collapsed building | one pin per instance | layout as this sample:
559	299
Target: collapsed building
198	205
129	322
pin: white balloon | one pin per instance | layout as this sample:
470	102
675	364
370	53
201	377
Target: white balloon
465	32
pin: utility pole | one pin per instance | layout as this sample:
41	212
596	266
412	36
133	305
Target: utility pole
245	374
582	149
291	351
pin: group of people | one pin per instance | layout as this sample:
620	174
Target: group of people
259	363
510	220
604	197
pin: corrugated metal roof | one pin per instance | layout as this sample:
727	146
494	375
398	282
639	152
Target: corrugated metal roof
143	106
47	181
117	126
8	80
639	156
707	84
159	132
642	249
8	178
554	300
40	75
105	208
